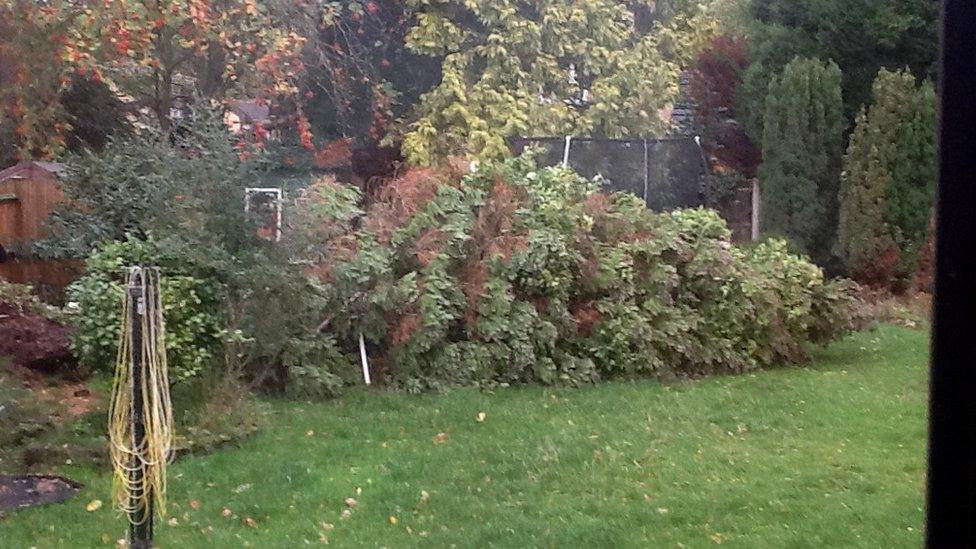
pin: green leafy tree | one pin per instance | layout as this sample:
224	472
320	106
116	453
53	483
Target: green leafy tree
580	67
802	146
886	187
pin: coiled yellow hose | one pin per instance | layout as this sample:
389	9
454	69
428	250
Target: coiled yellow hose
133	492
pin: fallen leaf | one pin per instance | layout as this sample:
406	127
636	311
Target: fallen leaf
323	535
480	418
440	438
346	513
716	537
93	505
392	519
350	502
309	433
248	521
173	522
106	539
662	511
242	488
46	486
424	496
194	504
225	512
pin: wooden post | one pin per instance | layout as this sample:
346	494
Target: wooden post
756	206
140	531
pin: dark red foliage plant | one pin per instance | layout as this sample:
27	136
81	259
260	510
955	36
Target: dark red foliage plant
714	82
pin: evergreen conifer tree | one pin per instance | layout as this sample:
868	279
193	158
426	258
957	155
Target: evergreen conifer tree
886	186
802	148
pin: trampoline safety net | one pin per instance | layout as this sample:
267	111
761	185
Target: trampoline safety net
667	173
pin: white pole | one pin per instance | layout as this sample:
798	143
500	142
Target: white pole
362	355
569	139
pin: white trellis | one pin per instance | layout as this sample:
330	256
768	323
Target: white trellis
276	198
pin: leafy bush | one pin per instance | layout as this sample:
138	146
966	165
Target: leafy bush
513	274
191	310
174	199
311	364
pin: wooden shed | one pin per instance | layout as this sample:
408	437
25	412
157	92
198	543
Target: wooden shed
28	193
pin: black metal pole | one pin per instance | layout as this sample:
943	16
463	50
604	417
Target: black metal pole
951	498
140	533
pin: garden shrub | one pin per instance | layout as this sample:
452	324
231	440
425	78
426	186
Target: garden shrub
174	199
191	310
513	274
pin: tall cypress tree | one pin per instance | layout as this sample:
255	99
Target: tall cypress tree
802	145
913	176
886	186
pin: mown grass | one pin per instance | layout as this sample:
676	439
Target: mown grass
831	454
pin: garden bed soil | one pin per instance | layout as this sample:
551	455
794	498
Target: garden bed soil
23	491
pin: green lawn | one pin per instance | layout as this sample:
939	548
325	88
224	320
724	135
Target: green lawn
827	455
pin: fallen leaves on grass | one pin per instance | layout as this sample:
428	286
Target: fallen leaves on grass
392	520
440	438
351	502
93	505
226	513
249	522
324	535
480	418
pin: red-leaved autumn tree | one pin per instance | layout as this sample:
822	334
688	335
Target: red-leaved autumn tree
151	53
32	42
715	80
359	75
156	51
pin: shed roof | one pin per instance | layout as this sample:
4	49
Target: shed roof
252	111
23	169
